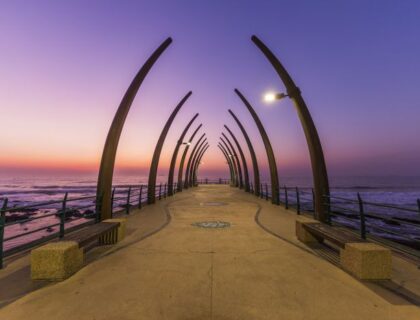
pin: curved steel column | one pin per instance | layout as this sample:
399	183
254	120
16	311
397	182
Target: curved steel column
184	155
106	170
232	175
187	169
175	155
244	165
235	168
194	159
253	156
319	168
230	155
197	163
151	194
268	149
238	163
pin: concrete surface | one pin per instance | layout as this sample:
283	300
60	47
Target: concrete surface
367	260
56	261
255	269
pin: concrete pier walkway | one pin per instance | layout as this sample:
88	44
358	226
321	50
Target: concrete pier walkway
169	268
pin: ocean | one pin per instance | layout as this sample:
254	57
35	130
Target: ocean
28	189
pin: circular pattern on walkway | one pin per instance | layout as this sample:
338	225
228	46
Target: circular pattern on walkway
211	224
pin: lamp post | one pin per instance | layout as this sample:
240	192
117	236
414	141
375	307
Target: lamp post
232	158
268	149
175	155
236	158
229	162
158	149
197	164
180	184
256	188
192	155
319	168
194	162
106	169
244	165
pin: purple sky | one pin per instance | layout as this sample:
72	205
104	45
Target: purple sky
65	66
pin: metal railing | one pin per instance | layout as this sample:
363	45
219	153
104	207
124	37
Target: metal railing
47	220
367	218
213	181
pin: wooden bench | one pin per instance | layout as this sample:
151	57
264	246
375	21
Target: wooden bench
365	260
105	232
338	237
60	259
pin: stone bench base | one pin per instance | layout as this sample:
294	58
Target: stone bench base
365	260
302	234
56	261
59	260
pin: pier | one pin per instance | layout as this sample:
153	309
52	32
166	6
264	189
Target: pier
196	248
248	265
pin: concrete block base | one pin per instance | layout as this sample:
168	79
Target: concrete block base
367	261
303	235
56	261
115	236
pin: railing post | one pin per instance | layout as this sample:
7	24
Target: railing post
266	192
328	210
160	191
297	201
261	191
2	227
127	206
362	217
112	201
165	190
63	215
99	208
286	198
141	193
313	200
418	204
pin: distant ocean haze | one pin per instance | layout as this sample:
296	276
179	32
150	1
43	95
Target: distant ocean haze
27	189
32	187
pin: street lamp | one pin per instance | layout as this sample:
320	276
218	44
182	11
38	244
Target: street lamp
270	97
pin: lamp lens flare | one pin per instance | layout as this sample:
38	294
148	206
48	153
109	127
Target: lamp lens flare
269	97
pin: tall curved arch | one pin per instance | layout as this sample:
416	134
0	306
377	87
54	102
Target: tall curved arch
197	163
252	152
151	194
175	155
268	149
194	159
106	169
241	153
230	154
319	168
184	155
232	175
238	163
187	169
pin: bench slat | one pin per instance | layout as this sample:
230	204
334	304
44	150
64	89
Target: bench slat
93	232
337	236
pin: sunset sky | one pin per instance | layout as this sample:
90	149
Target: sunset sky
65	65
